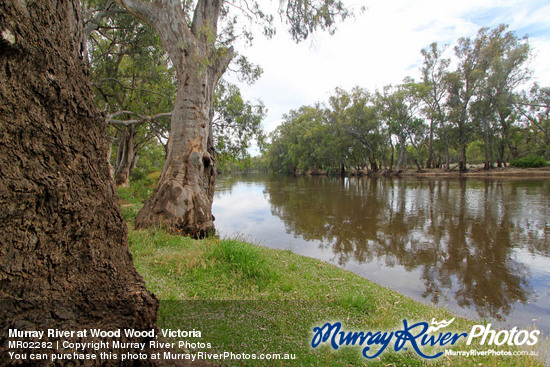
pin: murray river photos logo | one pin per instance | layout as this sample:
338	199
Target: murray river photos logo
417	336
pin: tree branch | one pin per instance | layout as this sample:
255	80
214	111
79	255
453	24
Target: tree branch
205	19
140	118
141	9
223	59
93	24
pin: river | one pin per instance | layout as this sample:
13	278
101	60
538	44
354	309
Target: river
479	247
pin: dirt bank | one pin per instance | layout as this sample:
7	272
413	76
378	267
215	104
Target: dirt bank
478	171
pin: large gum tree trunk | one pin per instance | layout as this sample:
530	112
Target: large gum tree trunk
64	260
182	200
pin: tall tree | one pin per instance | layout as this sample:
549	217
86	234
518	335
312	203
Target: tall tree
399	108
64	257
508	55
360	120
463	86
432	90
338	144
199	48
534	107
504	55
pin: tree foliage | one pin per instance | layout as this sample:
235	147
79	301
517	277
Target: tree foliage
134	85
237	123
534	110
466	104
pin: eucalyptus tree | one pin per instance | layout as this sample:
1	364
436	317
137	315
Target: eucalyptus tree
505	56
399	108
432	91
132	81
236	123
392	111
534	108
65	262
343	149
336	151
277	153
463	87
361	121
198	37
307	130
310	139
346	133
507	71
287	152
135	88
415	128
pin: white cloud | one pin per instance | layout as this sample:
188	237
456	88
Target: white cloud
382	46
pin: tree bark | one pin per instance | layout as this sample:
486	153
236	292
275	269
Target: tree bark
447	153
402	158
486	145
182	200
392	154
430	160
126	156
64	257
462	157
462	141
373	164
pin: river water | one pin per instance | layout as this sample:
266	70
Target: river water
479	247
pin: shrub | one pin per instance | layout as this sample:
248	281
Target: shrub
137	175
475	152
529	162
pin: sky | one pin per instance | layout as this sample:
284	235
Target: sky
381	46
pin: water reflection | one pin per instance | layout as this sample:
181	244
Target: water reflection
462	239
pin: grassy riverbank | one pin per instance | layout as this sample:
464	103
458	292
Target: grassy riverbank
249	299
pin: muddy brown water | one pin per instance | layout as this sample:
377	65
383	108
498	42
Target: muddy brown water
479	247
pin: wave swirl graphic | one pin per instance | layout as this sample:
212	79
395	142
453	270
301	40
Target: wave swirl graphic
439	325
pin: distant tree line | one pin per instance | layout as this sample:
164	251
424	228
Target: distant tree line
464	109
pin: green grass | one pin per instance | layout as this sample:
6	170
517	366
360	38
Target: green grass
249	299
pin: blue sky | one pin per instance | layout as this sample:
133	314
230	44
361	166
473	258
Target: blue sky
530	18
382	46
